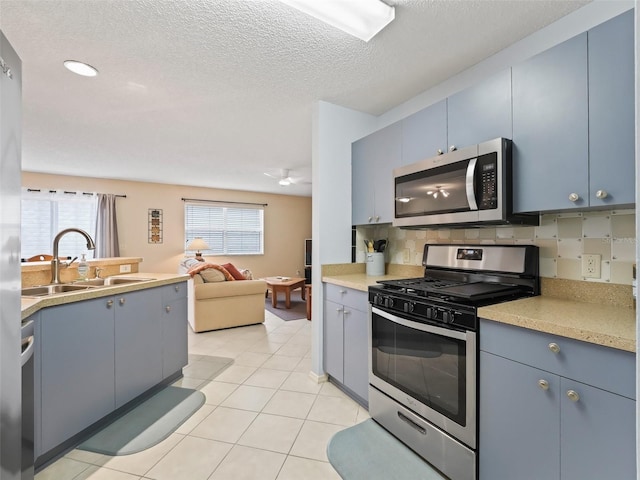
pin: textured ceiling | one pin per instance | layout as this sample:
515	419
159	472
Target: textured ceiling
215	92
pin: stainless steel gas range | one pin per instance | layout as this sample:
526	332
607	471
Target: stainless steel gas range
423	353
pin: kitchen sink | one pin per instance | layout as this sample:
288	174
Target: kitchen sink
45	290
110	281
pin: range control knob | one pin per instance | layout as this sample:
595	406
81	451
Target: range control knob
445	317
388	302
428	312
408	307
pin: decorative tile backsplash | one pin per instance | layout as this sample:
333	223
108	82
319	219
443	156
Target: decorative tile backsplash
563	238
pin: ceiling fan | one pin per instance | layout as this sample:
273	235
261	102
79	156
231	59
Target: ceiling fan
284	179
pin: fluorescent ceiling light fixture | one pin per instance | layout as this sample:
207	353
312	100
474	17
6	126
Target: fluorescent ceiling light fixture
360	18
80	68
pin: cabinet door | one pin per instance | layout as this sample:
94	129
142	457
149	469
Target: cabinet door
388	153
424	133
174	329
77	368
356	354
611	111
597	433
334	340
138	343
373	159
550	129
518	421
481	112
362	153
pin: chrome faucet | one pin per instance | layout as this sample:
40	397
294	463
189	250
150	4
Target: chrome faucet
55	263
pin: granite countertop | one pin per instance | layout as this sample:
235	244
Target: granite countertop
31	305
599	323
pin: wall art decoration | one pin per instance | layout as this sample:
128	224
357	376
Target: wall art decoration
155	225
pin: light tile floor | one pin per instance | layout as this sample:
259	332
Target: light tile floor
263	419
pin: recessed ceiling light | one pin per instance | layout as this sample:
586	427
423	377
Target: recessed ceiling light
81	68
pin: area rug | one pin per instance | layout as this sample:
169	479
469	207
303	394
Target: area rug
297	311
147	424
367	450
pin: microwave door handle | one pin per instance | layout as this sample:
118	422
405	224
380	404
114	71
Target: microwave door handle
470	181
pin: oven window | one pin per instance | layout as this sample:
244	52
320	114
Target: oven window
430	368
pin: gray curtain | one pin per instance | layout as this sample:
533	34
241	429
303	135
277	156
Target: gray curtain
106	227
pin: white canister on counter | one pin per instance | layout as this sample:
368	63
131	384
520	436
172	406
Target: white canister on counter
375	263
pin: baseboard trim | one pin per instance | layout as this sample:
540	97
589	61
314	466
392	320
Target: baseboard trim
318	378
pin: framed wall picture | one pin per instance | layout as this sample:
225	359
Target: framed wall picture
155	225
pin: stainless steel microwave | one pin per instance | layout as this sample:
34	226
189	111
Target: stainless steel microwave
470	186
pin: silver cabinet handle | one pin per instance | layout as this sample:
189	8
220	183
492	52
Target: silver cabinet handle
573	395
440	152
339	309
168	308
109	303
453	148
342	292
177	287
347	312
370	218
543	384
554	347
574	197
122	300
601	194
377	218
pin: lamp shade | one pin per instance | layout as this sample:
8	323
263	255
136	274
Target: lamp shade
197	244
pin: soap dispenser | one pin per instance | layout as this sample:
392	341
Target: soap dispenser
83	267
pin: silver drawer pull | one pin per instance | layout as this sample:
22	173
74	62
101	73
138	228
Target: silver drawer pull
177	288
347	312
411	423
543	384
168	308
573	395
122	300
109	303
554	347
339	309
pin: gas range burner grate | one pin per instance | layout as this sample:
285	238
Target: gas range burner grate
420	284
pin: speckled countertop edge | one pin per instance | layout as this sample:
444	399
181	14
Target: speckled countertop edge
30	305
37	266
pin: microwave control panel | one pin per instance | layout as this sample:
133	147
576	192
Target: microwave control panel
487	181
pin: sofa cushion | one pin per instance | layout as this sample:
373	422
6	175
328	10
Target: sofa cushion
206	265
187	264
234	271
230	289
212	275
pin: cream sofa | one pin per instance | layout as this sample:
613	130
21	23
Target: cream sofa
226	304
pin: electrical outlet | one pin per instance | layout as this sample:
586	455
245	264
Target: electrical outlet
125	268
590	266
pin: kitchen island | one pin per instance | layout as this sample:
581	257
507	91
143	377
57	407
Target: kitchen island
100	351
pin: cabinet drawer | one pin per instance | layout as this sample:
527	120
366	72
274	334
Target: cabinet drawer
346	296
174	291
606	368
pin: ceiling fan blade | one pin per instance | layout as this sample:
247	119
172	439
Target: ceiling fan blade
271	175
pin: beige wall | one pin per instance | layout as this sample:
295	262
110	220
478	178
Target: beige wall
287	222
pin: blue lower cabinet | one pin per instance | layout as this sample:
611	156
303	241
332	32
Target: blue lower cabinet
174	329
537	423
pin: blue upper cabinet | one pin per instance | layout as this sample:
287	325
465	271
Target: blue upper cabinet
424	133
373	159
611	112
481	112
550	129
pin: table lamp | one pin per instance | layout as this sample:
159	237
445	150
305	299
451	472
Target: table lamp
198	244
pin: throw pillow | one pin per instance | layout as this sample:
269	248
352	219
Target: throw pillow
234	271
205	266
211	275
246	273
187	263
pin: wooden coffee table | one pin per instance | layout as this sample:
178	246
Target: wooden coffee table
286	285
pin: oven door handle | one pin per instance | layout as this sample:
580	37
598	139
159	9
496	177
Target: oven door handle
445	332
470	184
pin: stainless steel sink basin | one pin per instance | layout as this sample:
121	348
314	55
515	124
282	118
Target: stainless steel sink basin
45	290
109	281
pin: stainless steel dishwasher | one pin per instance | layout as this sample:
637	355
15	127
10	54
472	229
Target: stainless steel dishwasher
27	362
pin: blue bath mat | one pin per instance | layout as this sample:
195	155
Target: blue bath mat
147	424
367	450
